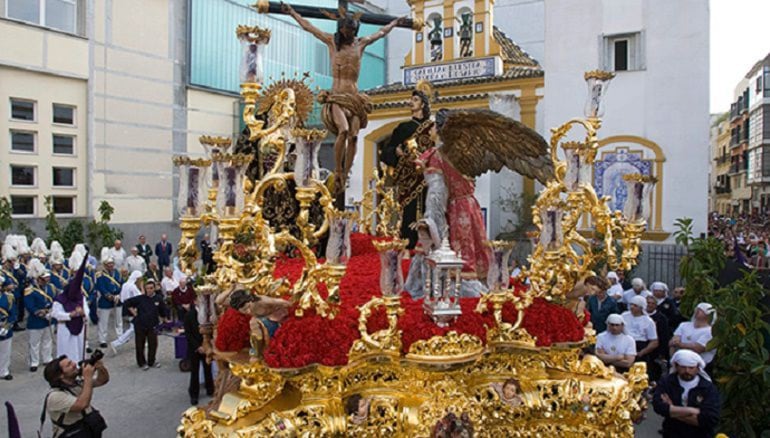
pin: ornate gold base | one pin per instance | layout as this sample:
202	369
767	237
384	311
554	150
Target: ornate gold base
561	395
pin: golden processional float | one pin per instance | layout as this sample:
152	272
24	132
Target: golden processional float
451	379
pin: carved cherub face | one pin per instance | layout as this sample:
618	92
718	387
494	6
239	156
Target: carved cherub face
510	390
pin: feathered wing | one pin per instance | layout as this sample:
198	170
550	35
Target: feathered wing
476	141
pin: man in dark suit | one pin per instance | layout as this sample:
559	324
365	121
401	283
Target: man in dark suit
163	251
196	355
144	249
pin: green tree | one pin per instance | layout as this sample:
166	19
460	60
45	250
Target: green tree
99	232
741	366
51	223
6	212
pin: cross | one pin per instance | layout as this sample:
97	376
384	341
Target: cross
323	13
345	108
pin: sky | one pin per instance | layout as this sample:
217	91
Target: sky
740	36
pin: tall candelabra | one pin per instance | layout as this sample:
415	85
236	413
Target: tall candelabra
562	256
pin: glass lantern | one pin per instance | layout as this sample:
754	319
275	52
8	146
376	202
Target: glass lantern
551	235
499	253
214	146
578	170
338	246
253	41
306	165
230	193
442	285
597	81
192	183
637	207
391	276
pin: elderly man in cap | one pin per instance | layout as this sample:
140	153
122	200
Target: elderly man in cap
695	334
38	300
686	398
108	285
134	262
614	347
642	328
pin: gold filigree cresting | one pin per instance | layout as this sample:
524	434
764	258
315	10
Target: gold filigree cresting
254	34
448	349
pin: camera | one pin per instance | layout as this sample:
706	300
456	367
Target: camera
96	356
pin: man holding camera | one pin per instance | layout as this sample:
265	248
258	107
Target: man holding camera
69	402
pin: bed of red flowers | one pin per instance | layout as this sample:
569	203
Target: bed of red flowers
313	339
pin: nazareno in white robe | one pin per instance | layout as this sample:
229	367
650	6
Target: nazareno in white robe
67	343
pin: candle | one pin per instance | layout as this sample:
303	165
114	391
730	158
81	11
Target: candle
193	177
231	178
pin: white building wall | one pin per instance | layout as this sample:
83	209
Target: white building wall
667	102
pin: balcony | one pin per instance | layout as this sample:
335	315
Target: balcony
721	190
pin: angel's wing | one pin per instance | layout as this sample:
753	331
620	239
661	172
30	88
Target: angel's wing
476	141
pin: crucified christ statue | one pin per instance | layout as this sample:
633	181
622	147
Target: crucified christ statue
345	110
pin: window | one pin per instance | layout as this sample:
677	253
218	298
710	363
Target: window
63	144
766	80
23	205
63	204
758	86
23	176
765	122
621	55
63	177
22	110
623	52
56	14
766	162
22	141
63	114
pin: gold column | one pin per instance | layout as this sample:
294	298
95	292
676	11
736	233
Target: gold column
449	22
528	111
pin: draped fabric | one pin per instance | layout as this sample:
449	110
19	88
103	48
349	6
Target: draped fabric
467	230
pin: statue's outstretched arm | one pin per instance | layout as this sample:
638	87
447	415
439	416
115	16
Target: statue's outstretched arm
365	41
327	38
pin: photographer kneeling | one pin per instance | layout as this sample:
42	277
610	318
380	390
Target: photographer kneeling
69	403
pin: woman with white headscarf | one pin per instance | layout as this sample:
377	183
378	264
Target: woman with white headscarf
129	290
695	334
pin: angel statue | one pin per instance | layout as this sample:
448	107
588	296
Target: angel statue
470	143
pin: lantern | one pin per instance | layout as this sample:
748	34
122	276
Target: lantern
253	41
230	194
442	285
499	252
192	182
637	207
551	235
597	81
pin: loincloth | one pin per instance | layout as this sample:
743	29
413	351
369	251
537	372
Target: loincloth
359	105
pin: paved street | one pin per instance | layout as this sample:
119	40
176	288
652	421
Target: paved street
135	403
